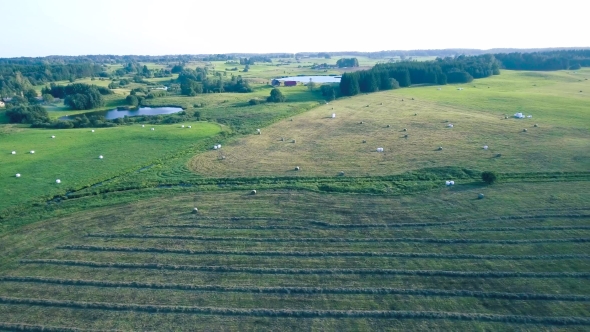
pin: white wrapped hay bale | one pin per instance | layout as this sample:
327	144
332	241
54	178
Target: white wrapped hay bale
379	149
92	130
13	152
58	181
333	115
485	147
100	157
450	125
189	127
32	151
182	126
53	136
18	175
153	128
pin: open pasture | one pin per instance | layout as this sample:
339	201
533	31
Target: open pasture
411	125
292	260
73	156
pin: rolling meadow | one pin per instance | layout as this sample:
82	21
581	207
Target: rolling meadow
305	226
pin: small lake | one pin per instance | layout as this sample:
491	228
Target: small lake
116	113
315	79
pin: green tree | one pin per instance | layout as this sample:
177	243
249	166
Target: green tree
47	98
31	95
132	100
276	96
489	177
311	85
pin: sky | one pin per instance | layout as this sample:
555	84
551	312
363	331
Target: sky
150	27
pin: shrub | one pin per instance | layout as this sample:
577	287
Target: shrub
276	96
489	177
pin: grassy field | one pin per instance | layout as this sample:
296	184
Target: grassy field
72	156
326	146
384	246
294	260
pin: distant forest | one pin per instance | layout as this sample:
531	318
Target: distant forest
19	75
462	69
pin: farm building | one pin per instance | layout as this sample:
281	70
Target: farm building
290	83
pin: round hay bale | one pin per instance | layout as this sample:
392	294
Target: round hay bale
17	175
182	126
222	157
100	157
485	147
364	141
341	173
388	126
402	100
253	192
58	181
53	136
415	114
13	152
291	120
505	117
92	130
381	104
282	139
412	98
405	129
142	126
190	127
440	148
361	122
368	105
536	125
498	155
296	168
153	128
32	151
480	196
406	136
195	211
293	141
524	130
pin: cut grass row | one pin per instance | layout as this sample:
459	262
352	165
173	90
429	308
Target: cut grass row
542	320
320	253
327	239
302	290
330	271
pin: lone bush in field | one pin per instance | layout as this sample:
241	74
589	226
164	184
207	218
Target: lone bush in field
276	96
489	177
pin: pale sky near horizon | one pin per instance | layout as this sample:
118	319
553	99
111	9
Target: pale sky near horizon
150	27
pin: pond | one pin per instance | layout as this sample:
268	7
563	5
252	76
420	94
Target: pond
120	113
315	79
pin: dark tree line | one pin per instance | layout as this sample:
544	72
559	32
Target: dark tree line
16	78
389	76
554	60
194	82
347	62
78	96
